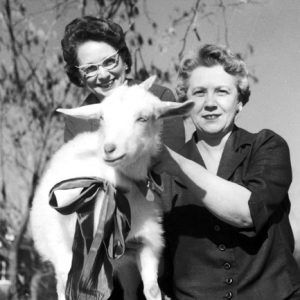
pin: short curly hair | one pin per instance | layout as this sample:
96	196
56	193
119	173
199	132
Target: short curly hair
90	28
211	55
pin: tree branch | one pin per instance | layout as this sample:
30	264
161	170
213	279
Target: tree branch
192	24
10	28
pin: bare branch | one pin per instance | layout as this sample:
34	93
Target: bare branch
58	7
146	12
83	7
191	25
10	28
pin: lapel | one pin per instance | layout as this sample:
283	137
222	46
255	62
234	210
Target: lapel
235	151
191	151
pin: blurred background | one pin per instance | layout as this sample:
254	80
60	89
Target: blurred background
33	84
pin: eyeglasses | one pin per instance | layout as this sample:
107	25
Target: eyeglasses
108	63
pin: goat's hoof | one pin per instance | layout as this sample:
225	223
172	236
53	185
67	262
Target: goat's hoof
153	293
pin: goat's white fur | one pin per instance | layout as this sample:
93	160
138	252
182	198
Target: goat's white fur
130	123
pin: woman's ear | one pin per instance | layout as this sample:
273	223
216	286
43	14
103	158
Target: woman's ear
239	107
80	79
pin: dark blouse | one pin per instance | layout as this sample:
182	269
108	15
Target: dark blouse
214	260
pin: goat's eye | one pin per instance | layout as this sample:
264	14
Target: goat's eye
142	119
101	118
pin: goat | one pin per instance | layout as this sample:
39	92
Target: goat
119	152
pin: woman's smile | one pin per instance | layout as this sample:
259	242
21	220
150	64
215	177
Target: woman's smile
211	117
106	84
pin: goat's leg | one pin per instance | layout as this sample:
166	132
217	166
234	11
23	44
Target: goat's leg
148	270
61	286
54	240
62	267
149	259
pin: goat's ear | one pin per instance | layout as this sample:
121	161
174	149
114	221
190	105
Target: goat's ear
92	111
173	109
148	82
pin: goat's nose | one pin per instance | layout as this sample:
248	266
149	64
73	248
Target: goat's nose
109	148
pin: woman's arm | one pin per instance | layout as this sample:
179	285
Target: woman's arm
226	200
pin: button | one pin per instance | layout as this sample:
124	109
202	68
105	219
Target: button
222	247
228	295
227	266
228	281
217	228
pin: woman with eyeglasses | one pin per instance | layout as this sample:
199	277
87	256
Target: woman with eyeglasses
98	59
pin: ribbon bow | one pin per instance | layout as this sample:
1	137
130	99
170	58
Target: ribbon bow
90	276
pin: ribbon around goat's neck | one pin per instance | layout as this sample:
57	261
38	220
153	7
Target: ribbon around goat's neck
113	226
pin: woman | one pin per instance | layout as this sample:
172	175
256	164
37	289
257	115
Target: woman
229	235
98	59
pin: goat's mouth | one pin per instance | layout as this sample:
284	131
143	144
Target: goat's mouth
114	160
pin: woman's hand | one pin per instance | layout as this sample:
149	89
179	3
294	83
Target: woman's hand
228	201
165	162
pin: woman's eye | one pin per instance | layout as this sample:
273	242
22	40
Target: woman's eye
199	93
90	69
222	92
109	62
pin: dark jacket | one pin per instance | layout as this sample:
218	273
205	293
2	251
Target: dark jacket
173	130
214	260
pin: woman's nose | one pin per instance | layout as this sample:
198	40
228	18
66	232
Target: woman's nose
210	103
102	73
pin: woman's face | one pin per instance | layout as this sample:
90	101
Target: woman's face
111	70
216	96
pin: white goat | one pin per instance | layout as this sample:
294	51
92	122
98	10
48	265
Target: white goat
119	152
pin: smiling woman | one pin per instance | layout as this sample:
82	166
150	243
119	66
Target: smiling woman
228	233
98	59
101	67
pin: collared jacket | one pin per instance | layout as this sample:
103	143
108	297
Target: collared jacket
173	134
214	260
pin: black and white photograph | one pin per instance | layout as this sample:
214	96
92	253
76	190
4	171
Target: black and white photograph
149	149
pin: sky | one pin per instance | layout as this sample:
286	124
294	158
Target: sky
272	27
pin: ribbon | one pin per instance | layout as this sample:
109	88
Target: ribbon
90	276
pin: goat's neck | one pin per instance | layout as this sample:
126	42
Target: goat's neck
138	170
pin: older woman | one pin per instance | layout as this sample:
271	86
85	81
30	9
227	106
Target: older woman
98	59
228	233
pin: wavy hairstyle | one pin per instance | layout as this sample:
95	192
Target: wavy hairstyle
212	55
90	28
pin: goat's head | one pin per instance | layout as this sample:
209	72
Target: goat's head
130	123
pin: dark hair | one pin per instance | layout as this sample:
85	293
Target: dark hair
90	28
209	56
